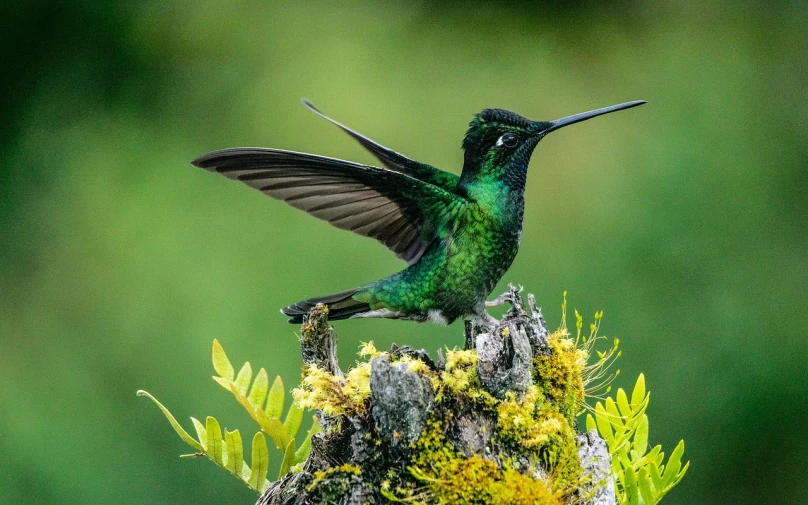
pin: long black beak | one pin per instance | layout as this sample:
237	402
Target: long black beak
583	116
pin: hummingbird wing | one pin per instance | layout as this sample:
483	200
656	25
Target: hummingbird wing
396	161
402	212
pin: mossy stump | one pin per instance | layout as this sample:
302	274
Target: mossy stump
491	424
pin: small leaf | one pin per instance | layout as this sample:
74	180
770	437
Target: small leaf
641	436
244	401
214	436
235	455
611	408
243	378
622	403
630	486
645	487
649	459
294	416
188	439
288	459
260	462
225	383
681	474
220	362
200	432
304	450
656	478
674	464
590	423
273	427
638	395
259	388
604	426
275	399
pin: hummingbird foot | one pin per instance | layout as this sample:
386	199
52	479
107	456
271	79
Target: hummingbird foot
498	301
507	296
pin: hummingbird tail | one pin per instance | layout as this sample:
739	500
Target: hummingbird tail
340	306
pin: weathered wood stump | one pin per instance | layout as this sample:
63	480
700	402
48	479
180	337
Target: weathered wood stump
493	423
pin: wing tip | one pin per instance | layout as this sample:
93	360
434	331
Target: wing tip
205	161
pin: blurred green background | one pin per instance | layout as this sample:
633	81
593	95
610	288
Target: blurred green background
685	220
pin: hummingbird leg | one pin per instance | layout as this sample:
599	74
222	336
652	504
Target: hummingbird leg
500	300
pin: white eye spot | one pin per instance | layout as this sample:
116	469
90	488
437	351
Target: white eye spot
507	140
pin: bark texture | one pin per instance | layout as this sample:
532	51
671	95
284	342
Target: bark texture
409	411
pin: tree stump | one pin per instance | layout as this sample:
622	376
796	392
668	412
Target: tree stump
492	423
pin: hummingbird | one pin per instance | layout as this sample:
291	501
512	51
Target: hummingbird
458	234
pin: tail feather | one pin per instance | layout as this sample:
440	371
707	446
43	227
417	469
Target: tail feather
340	306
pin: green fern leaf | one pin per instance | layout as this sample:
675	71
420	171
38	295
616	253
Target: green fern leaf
638	394
273	427
200	433
234	451
258	392
646	491
622	403
656	478
288	459
630	486
260	463
590	423
220	362
243	378
214	437
275	398
640	443
604	425
305	448
294	416
188	439
671	472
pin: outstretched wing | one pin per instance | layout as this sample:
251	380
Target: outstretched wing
395	161
403	213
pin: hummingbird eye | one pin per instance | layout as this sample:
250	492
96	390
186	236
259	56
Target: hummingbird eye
507	140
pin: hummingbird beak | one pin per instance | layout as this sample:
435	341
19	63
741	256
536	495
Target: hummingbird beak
583	116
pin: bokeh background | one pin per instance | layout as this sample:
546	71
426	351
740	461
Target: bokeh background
685	220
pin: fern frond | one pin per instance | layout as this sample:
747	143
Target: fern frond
265	406
226	452
252	393
640	476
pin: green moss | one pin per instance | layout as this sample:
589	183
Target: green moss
330	485
335	396
452	478
535	424
559	374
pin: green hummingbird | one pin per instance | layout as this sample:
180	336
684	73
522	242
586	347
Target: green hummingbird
458	234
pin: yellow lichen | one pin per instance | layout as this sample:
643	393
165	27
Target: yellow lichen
452	478
415	365
368	350
334	482
559	374
534	423
334	396
461	370
322	391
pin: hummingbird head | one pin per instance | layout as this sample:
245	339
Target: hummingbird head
499	143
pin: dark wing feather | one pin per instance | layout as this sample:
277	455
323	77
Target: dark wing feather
395	161
403	213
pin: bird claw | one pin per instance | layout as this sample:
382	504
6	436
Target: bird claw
500	300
